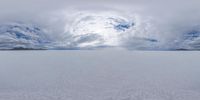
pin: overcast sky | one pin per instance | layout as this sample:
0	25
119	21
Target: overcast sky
40	5
171	16
169	11
23	7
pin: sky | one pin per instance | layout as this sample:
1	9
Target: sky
176	10
154	19
159	8
38	6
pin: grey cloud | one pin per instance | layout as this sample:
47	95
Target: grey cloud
159	18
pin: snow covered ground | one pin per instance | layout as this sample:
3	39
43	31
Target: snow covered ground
99	75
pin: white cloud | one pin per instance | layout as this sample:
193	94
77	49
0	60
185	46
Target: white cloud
165	20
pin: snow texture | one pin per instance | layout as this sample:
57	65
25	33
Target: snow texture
99	75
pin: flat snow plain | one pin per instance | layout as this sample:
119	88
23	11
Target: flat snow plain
99	75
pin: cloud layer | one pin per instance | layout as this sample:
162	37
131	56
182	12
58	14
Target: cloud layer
158	25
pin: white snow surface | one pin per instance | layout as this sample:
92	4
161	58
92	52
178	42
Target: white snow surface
99	75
